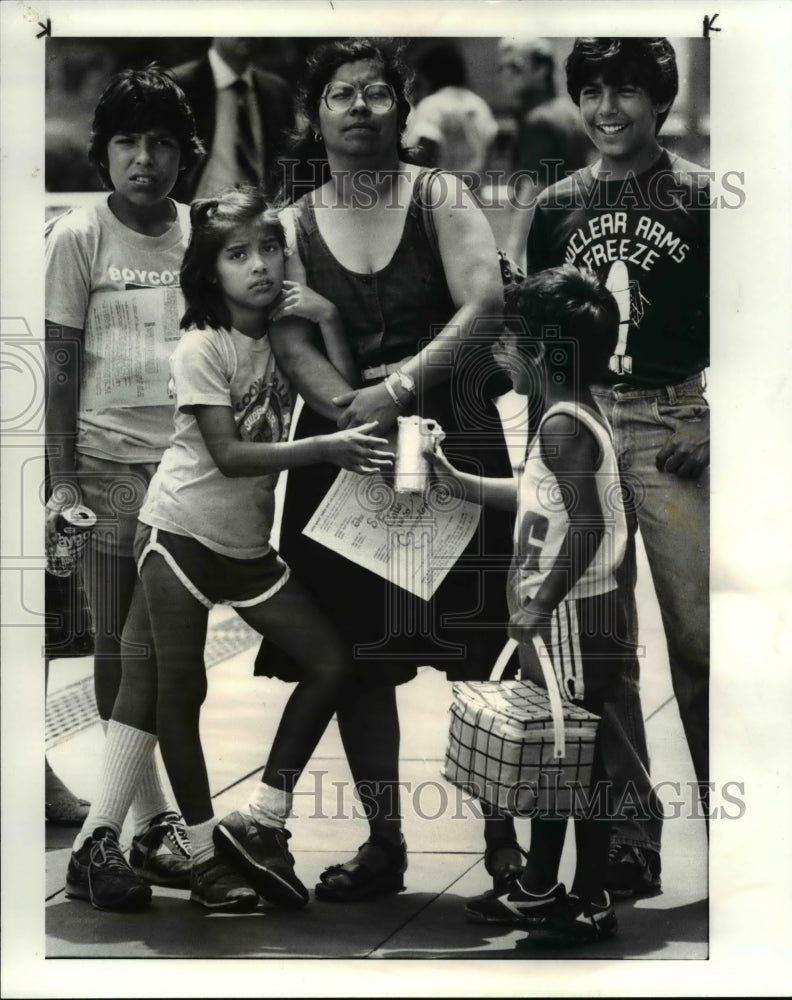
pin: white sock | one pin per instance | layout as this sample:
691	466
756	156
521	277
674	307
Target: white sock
270	806
201	840
150	799
127	753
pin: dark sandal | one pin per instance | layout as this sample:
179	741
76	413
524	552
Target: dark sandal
357	879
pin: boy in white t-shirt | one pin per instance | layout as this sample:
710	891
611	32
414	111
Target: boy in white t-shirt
112	314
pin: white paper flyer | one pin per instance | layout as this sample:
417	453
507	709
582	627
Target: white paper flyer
139	330
412	541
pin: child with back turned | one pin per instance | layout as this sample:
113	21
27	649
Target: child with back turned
569	538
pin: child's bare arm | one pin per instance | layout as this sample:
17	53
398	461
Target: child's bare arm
297	299
571	452
353	449
484	490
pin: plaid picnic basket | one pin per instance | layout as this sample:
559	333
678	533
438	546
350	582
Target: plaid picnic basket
517	746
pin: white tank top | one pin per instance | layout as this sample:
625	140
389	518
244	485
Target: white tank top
542	518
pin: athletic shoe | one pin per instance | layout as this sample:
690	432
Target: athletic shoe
215	885
515	906
161	855
260	854
99	873
577	921
632	871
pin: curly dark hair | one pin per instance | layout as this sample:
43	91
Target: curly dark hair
212	220
648	62
575	303
137	100
305	148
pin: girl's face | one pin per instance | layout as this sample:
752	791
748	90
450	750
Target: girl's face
143	166
250	266
362	129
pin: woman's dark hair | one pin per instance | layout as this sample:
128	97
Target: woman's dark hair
647	62
581	312
138	100
306	167
212	220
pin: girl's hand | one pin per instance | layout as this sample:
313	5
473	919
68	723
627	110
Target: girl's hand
300	300
355	449
361	406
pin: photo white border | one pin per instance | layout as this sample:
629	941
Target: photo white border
751	859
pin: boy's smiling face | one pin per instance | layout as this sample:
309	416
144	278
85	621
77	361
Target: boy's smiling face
621	121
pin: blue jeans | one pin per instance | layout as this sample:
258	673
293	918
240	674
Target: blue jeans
672	515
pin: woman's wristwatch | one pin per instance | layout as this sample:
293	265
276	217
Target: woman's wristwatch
405	381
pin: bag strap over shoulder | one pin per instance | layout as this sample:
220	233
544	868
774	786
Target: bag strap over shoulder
551	683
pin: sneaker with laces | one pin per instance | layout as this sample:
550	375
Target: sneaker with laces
162	854
215	885
261	855
577	921
98	872
515	906
632	871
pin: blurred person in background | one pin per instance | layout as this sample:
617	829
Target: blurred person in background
550	141
242	113
451	126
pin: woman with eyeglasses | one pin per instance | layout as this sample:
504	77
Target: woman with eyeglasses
416	307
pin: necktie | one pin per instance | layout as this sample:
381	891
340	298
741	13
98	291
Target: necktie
245	144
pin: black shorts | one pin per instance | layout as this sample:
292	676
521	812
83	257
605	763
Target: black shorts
212	578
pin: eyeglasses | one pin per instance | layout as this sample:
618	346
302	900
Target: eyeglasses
379	97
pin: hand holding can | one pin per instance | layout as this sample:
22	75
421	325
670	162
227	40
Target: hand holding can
416	435
73	528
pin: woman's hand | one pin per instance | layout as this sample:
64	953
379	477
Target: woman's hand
362	406
297	299
355	449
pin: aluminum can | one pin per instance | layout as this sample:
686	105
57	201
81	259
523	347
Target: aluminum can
73	526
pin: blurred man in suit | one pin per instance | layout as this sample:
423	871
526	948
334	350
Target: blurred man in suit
243	116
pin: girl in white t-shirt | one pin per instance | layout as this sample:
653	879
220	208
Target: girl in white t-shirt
204	539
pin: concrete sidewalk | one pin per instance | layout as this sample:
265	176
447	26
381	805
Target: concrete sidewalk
445	842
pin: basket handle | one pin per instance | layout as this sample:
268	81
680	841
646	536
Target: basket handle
551	683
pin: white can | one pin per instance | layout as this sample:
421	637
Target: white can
416	435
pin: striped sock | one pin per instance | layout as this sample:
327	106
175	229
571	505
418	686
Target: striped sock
127	753
201	840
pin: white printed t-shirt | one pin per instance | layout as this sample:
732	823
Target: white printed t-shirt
542	519
89	252
189	495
